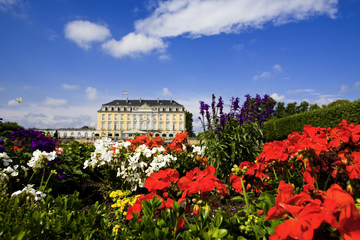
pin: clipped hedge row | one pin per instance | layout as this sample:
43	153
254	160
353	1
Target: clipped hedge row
279	129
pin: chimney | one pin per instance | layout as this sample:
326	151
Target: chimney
140	100
170	100
158	101
126	100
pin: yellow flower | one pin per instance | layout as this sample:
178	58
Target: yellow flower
116	229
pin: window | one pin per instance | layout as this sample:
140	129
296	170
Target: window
167	116
148	117
180	116
161	117
122	117
121	126
109	116
148	126
115	117
128	126
134	117
115	126
174	116
134	125
167	126
102	125
102	116
154	123
181	126
174	126
109	125
141	117
161	126
128	117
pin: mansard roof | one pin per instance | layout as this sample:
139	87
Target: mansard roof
142	102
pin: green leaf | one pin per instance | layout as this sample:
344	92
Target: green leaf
237	198
222	233
20	235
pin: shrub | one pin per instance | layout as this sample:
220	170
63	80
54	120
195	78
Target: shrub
279	129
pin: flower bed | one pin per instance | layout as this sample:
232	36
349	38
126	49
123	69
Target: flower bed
305	187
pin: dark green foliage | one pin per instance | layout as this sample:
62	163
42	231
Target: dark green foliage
291	108
280	110
60	218
314	107
337	102
189	124
238	143
7	127
303	107
279	129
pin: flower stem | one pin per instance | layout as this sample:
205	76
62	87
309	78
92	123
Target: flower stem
327	180
275	173
228	213
245	196
42	179
47	181
313	172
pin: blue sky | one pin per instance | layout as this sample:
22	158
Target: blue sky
66	58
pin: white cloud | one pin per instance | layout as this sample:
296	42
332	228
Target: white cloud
197	18
300	91
357	84
277	98
51	34
18	8
133	45
83	33
52	102
164	57
69	87
239	46
13	102
27	87
287	78
344	89
166	92
91	93
277	68
324	101
2	89
263	75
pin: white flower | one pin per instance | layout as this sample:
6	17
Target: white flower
31	192
40	159
5	159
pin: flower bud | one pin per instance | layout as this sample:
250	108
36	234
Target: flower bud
196	209
260	212
207	208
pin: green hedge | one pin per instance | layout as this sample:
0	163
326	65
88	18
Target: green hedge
279	129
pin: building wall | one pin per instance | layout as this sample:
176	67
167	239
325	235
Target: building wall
162	119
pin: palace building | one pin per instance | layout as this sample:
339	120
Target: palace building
123	118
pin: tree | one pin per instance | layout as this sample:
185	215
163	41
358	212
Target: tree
314	107
338	102
303	107
280	110
291	109
189	124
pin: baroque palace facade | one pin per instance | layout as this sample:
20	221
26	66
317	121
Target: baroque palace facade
123	118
